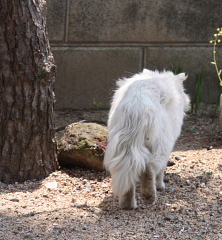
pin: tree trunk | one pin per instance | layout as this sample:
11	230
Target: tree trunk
27	74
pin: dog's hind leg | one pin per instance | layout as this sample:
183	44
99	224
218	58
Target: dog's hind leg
148	186
160	185
128	200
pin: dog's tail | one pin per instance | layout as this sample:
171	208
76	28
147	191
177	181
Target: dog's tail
129	147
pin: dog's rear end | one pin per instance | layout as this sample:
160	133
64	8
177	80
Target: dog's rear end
137	121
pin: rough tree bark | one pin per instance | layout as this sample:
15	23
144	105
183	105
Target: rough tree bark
27	73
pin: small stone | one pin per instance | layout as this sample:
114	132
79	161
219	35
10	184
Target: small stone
14	200
88	187
84	227
202	185
84	181
210	148
177	158
205	220
161	224
55	174
170	163
169	216
219	235
142	229
188	182
171	189
52	185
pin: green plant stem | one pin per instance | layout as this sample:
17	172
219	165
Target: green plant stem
215	60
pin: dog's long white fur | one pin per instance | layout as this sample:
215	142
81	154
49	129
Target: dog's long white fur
145	120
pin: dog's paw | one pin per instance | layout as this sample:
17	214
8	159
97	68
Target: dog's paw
127	206
149	197
127	203
160	186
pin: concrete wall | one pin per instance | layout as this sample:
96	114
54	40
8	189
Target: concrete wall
95	42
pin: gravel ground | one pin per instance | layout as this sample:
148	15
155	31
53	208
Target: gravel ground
78	204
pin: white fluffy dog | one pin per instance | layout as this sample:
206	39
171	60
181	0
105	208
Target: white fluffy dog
144	122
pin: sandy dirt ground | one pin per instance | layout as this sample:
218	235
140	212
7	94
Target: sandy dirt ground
79	204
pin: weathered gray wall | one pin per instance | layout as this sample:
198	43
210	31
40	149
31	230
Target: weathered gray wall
95	42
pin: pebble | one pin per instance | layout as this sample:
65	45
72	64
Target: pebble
205	220
202	185
88	187
55	174
220	235
171	163
52	185
169	216
14	200
188	182
84	181
161	224
171	189
73	200
210	148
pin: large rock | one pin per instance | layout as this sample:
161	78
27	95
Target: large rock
83	145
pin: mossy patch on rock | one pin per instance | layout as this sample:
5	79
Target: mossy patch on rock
83	145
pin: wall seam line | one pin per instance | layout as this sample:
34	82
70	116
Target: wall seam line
67	21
